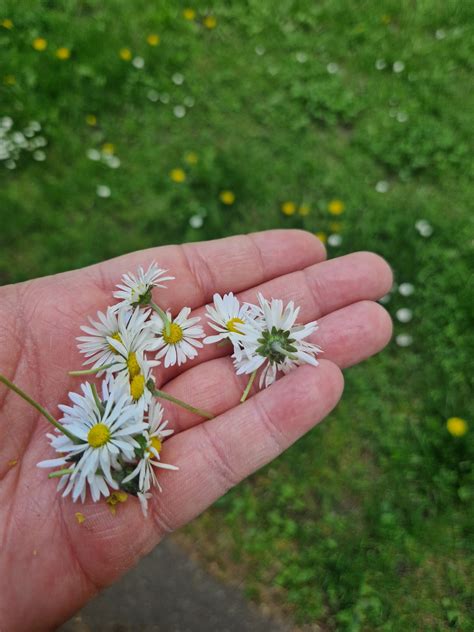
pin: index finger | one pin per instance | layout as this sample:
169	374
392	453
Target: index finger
231	264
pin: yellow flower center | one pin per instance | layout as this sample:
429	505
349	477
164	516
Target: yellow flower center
132	365
116	336
175	334
137	387
116	497
232	325
98	435
155	443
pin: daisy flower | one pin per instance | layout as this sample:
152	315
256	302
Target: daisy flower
183	338
105	433
134	371
273	341
136	289
118	331
226	315
150	447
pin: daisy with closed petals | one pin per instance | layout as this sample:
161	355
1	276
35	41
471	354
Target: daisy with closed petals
273	341
136	289
151	443
181	341
134	371
105	435
226	316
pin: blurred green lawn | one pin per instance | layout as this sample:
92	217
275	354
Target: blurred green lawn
367	523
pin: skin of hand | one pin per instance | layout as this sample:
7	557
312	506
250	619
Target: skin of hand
51	565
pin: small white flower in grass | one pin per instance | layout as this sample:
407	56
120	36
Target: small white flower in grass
135	289
404	314
151	443
138	62
424	228
181	342
382	186
105	434
196	221
103	191
404	340
398	66
179	111
226	315
406	289
335	240
273	341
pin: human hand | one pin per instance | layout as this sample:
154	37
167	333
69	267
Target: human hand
50	564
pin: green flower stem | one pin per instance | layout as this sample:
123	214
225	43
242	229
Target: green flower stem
38	407
248	387
162	315
59	473
157	393
98	403
91	371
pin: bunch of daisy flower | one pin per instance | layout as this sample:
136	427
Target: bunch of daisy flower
265	337
109	441
110	437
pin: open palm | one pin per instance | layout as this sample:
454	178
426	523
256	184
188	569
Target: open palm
50	565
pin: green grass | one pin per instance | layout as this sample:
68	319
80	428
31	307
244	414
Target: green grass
365	524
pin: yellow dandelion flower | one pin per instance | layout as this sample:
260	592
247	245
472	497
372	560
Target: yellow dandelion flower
177	175
125	54
336	207
227	197
63	53
153	39
335	227
7	23
457	426
189	14
40	44
108	148
304	210
288	208
321	236
210	22
9	80
91	119
191	158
